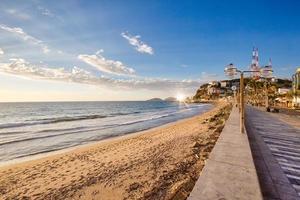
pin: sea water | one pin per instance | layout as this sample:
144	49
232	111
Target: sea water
33	128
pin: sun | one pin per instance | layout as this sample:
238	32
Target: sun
180	97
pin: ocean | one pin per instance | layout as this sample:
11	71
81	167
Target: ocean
34	128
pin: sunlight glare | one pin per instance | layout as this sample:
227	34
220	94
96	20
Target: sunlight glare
180	97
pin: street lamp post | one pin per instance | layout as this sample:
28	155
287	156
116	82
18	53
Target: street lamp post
231	71
242	115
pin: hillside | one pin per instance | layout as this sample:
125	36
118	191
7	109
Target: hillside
223	88
171	99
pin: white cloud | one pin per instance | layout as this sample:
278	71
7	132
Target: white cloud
20	67
139	45
17	14
1	52
26	37
106	65
45	11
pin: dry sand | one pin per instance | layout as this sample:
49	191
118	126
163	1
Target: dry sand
161	163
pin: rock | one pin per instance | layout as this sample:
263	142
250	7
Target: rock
134	186
197	145
212	119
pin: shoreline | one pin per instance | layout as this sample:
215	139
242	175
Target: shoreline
105	140
143	164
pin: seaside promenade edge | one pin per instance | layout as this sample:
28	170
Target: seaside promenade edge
230	171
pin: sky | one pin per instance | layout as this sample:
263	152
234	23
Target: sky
111	50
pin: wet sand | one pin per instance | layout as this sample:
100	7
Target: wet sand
160	163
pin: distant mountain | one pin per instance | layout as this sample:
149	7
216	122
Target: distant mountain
171	99
155	99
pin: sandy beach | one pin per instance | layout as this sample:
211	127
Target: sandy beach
160	163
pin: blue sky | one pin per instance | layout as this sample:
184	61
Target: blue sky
131	50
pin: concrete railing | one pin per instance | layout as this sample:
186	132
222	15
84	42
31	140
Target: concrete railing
229	172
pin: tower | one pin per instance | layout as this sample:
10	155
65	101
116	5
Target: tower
254	64
270	63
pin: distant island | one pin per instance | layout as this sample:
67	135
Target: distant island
173	99
155	99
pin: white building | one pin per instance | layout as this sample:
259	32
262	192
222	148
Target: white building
283	90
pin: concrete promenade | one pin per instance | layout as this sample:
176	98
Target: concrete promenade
229	172
276	151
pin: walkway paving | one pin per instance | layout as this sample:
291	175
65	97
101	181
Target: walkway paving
229	172
275	147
